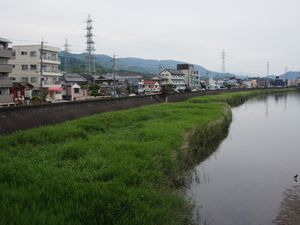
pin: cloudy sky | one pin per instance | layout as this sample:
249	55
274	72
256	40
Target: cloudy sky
252	32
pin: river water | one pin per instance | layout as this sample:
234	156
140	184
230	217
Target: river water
249	179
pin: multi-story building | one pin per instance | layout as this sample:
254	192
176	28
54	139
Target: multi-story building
27	63
5	69
192	77
174	78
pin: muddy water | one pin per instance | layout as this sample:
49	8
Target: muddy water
249	179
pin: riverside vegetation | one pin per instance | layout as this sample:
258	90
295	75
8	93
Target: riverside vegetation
116	168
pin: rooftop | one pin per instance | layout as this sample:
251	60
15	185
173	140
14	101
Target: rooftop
72	77
174	72
150	82
4	40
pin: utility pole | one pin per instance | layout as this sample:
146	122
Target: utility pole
90	64
41	70
67	56
286	76
114	75
223	61
159	68
268	68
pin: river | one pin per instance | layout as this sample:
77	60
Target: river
249	180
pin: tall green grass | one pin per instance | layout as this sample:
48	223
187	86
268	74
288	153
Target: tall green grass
114	168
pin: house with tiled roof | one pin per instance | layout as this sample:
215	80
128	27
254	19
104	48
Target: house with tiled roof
151	87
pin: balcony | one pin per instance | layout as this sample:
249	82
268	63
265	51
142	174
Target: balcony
6	83
5	68
6	98
5	53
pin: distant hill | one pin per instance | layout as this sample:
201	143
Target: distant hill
291	75
145	66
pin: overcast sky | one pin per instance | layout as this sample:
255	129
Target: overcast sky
252	32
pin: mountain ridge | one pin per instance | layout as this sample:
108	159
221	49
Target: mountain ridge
134	64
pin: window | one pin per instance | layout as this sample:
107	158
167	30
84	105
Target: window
24	53
33	67
76	90
13	66
33	79
24	67
54	56
24	79
14	53
33	54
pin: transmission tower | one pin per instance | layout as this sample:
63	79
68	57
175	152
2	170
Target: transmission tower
223	61
114	74
90	64
67	56
268	68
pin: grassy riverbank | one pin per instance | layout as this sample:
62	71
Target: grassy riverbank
115	168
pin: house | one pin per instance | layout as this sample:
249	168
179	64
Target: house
75	87
151	87
136	85
38	66
263	83
174	78
291	83
278	82
232	83
6	98
297	82
159	79
89	78
21	92
125	83
249	83
106	84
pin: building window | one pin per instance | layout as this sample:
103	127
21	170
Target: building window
33	79
24	53
33	67
76	90
14	53
13	66
24	79
24	67
33	54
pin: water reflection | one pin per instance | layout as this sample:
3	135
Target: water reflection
290	207
243	181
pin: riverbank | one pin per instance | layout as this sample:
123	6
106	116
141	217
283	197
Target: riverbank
114	168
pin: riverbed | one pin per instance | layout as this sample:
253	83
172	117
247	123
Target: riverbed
250	177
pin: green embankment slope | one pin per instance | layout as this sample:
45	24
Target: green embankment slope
122	167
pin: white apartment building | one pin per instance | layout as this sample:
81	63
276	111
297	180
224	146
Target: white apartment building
5	69
26	63
173	77
192	77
